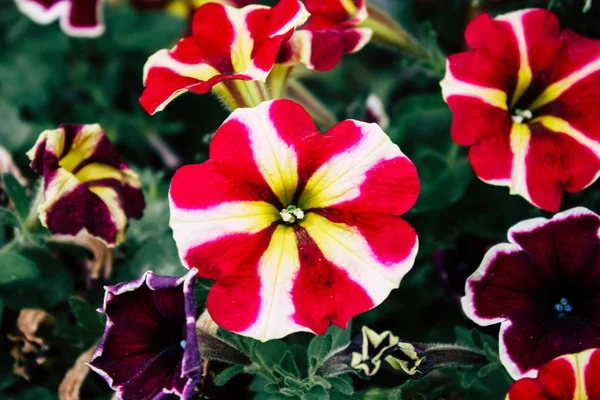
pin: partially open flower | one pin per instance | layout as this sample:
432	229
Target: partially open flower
81	18
330	32
299	229
570	377
87	186
526	100
231	51
370	351
543	288
100	267
149	348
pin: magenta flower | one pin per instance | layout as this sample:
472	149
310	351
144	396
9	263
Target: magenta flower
149	348
543	288
77	17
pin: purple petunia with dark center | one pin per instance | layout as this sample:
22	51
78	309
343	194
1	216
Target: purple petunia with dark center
149	348
544	289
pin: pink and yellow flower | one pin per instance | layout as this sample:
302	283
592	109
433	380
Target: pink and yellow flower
570	377
525	99
228	48
543	288
77	17
87	186
298	229
330	32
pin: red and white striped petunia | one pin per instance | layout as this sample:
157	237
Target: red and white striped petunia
330	32
570	377
228	46
526	100
87	186
82	18
298	229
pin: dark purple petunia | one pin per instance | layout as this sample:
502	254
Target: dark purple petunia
543	288
149	348
81	18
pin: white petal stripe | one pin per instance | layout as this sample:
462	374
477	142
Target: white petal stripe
345	247
340	178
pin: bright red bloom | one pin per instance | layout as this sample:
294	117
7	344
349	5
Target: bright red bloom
299	229
543	288
330	32
570	377
526	99
77	17
228	45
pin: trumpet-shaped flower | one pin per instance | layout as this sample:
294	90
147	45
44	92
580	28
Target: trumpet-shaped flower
298	228
87	186
149	348
330	32
77	17
228	47
569	377
543	288
525	99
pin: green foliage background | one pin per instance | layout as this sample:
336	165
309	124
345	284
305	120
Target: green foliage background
47	78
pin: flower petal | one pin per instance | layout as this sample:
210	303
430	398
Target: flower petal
355	244
86	183
340	11
227	43
140	354
81	18
360	169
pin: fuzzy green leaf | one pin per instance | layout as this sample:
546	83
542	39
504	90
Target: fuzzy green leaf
17	194
8	218
14	268
228	374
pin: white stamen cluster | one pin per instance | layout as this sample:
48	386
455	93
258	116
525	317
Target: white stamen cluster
522	115
291	214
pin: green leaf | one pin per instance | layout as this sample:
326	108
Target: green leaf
8	218
227	374
86	316
342	384
52	287
14	268
17	194
269	353
319	347
316	393
288	364
340	337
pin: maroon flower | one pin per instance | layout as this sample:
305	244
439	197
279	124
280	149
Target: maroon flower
149	348
77	17
544	289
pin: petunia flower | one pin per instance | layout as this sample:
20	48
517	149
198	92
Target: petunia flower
543	288
231	51
525	100
81	18
569	377
149	348
299	229
330	32
87	186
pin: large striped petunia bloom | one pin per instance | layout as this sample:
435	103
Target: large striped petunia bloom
543	288
82	18
299	229
330	32
87	185
150	348
231	51
526	100
569	377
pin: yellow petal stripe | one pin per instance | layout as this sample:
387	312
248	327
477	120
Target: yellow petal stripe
83	146
277	270
520	136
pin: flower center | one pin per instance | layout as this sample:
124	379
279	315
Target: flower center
563	307
521	116
291	214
